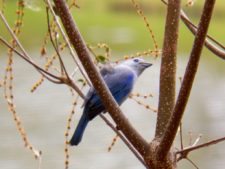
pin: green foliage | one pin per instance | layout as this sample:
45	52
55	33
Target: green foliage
101	59
123	30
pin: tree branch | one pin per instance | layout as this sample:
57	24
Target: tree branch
131	148
168	67
214	46
48	3
62	65
112	107
217	48
55	79
187	150
187	82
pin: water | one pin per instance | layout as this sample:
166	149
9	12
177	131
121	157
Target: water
44	115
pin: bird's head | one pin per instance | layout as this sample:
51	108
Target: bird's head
137	64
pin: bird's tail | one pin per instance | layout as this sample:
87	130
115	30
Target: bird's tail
78	134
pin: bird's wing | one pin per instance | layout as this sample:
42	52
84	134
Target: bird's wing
106	70
119	85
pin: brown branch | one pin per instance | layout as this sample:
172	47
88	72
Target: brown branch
184	155
49	5
25	55
63	68
168	67
218	50
185	151
191	25
187	82
39	69
13	35
181	137
54	79
112	107
192	163
124	140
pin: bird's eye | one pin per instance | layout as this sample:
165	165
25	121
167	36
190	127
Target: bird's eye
136	60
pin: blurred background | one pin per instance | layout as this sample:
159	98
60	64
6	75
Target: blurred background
116	23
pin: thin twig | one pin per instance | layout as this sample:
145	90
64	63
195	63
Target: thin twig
197	140
192	163
191	69
208	41
192	148
190	138
218	50
185	154
67	42
13	35
40	70
124	140
181	137
141	13
27	58
25	55
187	21
55	47
72	84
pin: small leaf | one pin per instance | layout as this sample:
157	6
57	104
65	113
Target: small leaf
81	80
101	58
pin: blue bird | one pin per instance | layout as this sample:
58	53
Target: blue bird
120	80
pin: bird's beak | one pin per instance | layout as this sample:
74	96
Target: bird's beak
146	64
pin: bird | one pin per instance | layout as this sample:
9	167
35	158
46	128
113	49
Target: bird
120	80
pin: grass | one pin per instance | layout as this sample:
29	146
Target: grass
124	31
